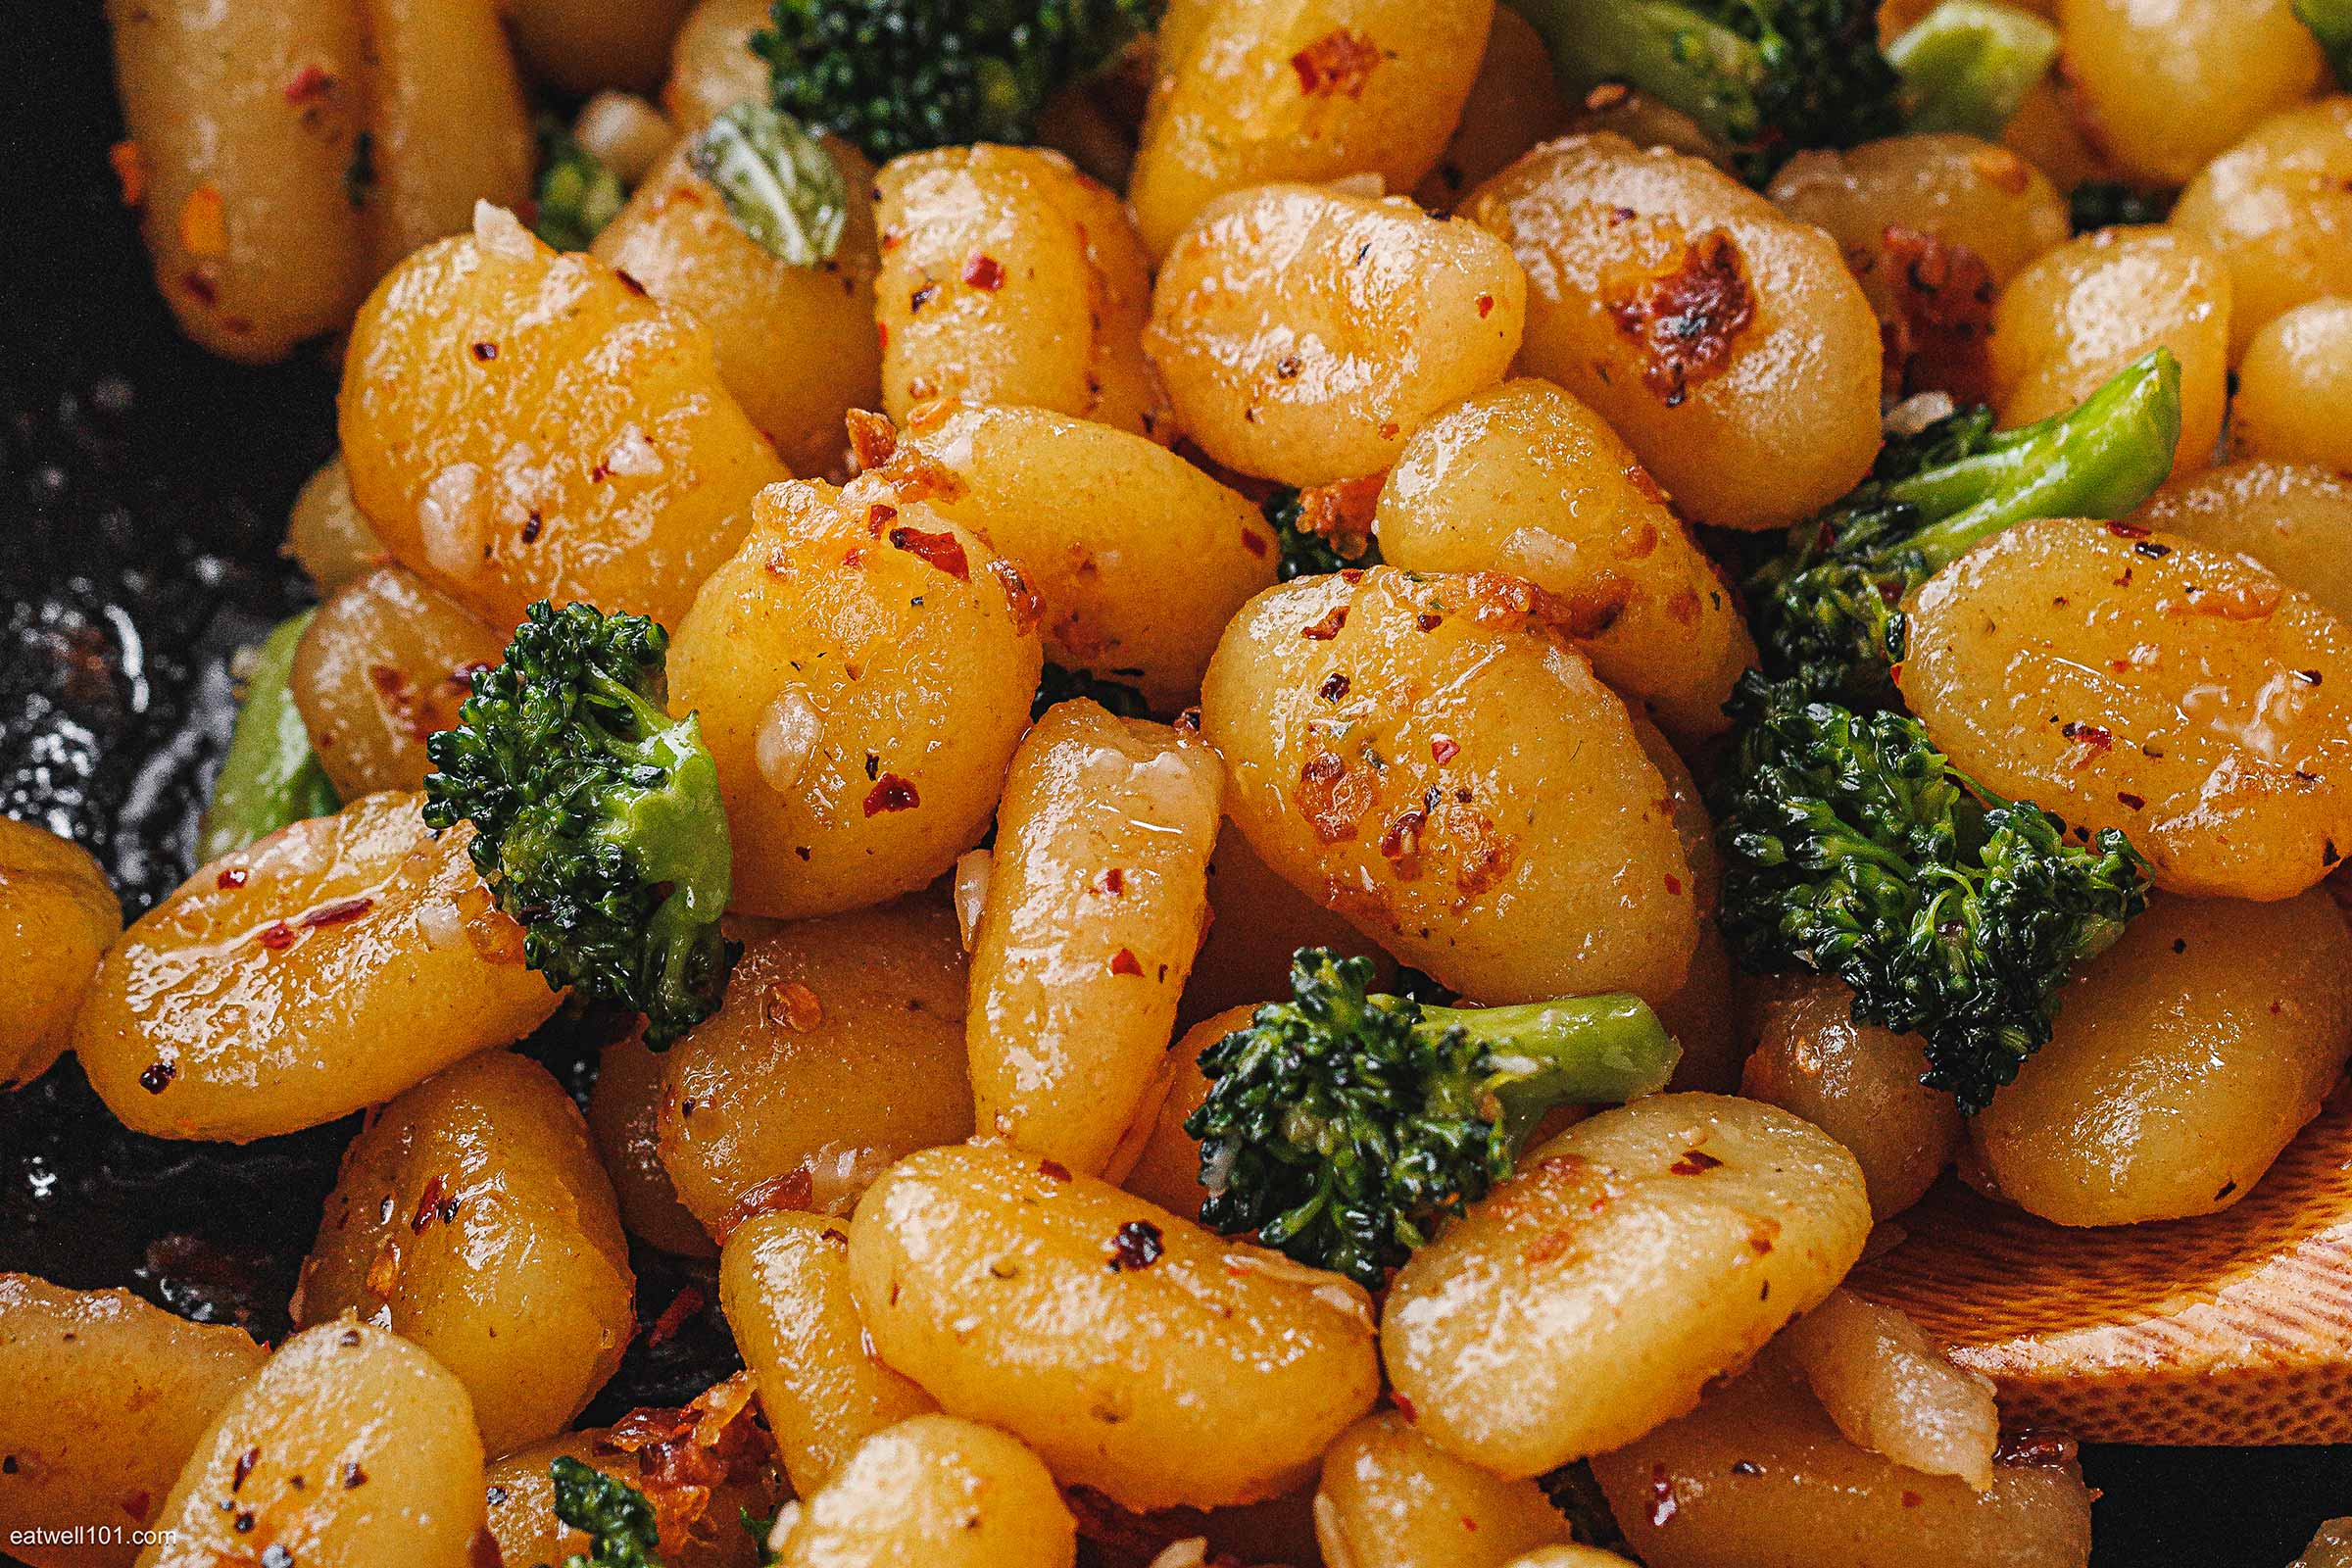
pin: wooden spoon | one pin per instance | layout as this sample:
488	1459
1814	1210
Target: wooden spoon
2231	1327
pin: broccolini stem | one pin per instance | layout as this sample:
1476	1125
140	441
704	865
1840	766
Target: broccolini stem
1967	63
1536	1055
2331	21
2097	460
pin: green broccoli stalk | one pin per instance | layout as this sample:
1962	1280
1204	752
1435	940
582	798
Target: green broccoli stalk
1765	77
577	193
622	1527
1341	1126
1827	608
1853	847
899	76
2331	21
271	776
1056	684
597	816
1967	63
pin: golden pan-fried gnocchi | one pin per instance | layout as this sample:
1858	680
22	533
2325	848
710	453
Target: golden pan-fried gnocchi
326	533
1140	1354
1759	1477
933	1491
796	345
1097	898
1256	92
712	66
472	1218
1391	1498
582	45
429	158
839	1049
2156	111
2278	209
1427	758
1256	920
1514	103
2293	518
328	967
1526	479
2233	1019
1305	332
385	663
2083	312
784	1282
350	1447
108	1396
1140	557
2294	389
863	668
2134	680
1889	1389
624	1106
1727	344
1707	1014
1007	276
57	918
1633	1258
524	425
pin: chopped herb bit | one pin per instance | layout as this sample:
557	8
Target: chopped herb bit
622	1531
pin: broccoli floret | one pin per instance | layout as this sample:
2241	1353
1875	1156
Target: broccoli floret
1765	77
1058	685
2099	204
577	193
2331	21
1967	63
1308	552
779	184
622	1527
1852	847
597	816
1825	610
899	76
1341	1126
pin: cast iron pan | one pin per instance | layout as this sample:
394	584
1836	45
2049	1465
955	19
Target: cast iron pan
143	492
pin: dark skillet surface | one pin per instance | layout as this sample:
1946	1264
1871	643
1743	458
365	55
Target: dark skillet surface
143	491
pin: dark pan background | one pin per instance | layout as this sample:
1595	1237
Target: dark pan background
143	491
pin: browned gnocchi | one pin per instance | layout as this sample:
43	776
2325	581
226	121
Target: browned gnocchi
57	918
385	663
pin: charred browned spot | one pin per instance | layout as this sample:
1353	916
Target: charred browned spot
682	1457
1339	64
1694	1162
794	1189
1366	906
1687	316
1334	797
1470	847
891	793
1506	602
1026	603
1637	541
942	550
1942	296
792	1005
1341	514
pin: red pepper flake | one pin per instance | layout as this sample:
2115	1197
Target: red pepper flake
1328	627
231	877
1674	885
276	935
2152	550
1404	1406
199	283
1254	542
1123	961
891	793
1027	604
921	297
486	350
1340	62
1911	1499
1053	1170
428	1204
1428	620
1444	750
203	223
2123	529
795	1189
136	1504
244	1468
983	272
2095	736
1115	881
131	171
2034	1450
1694	1162
2135	802
1335	686
310	85
942	550
1486	306
354	1477
878	517
1135	1244
1662	1504
158	1077
337	914
682	1306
